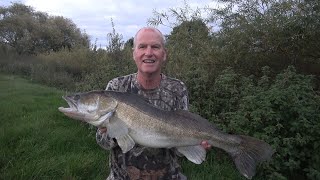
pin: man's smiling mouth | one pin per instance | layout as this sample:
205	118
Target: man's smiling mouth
149	61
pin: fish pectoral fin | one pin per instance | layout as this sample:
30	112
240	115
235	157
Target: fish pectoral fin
117	129
195	154
125	142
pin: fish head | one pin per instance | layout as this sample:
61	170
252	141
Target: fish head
88	106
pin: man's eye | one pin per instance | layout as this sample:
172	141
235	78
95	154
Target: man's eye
156	47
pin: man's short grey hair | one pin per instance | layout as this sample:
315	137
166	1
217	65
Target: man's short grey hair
151	28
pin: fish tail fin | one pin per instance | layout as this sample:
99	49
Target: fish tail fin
251	152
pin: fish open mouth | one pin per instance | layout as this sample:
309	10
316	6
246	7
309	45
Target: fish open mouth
72	111
72	105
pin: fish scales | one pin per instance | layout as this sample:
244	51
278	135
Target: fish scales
178	123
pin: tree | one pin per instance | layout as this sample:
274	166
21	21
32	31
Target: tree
275	33
15	25
31	32
64	34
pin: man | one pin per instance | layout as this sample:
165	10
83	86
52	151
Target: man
149	54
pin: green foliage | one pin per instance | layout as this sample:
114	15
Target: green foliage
276	33
102	70
192	58
80	69
284	112
115	61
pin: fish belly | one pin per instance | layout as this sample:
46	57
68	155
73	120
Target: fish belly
158	140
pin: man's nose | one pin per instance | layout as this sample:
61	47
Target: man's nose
148	51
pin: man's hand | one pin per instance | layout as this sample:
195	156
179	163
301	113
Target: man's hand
103	130
206	145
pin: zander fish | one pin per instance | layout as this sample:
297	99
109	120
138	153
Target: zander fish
130	119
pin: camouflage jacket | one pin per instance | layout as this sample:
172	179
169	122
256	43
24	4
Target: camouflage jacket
142	163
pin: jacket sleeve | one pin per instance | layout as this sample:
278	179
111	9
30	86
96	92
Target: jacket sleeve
104	141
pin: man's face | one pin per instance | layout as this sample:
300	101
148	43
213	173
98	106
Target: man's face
149	52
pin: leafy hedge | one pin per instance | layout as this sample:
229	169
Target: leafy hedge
284	112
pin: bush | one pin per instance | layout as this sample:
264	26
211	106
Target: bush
46	75
284	112
19	65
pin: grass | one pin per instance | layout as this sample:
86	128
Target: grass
218	166
39	142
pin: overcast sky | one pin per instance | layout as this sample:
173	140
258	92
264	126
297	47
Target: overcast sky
94	16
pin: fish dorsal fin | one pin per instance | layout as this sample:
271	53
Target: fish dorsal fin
196	154
117	129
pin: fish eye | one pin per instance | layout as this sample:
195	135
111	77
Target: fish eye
77	97
90	110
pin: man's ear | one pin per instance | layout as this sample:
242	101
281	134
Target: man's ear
165	55
133	54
